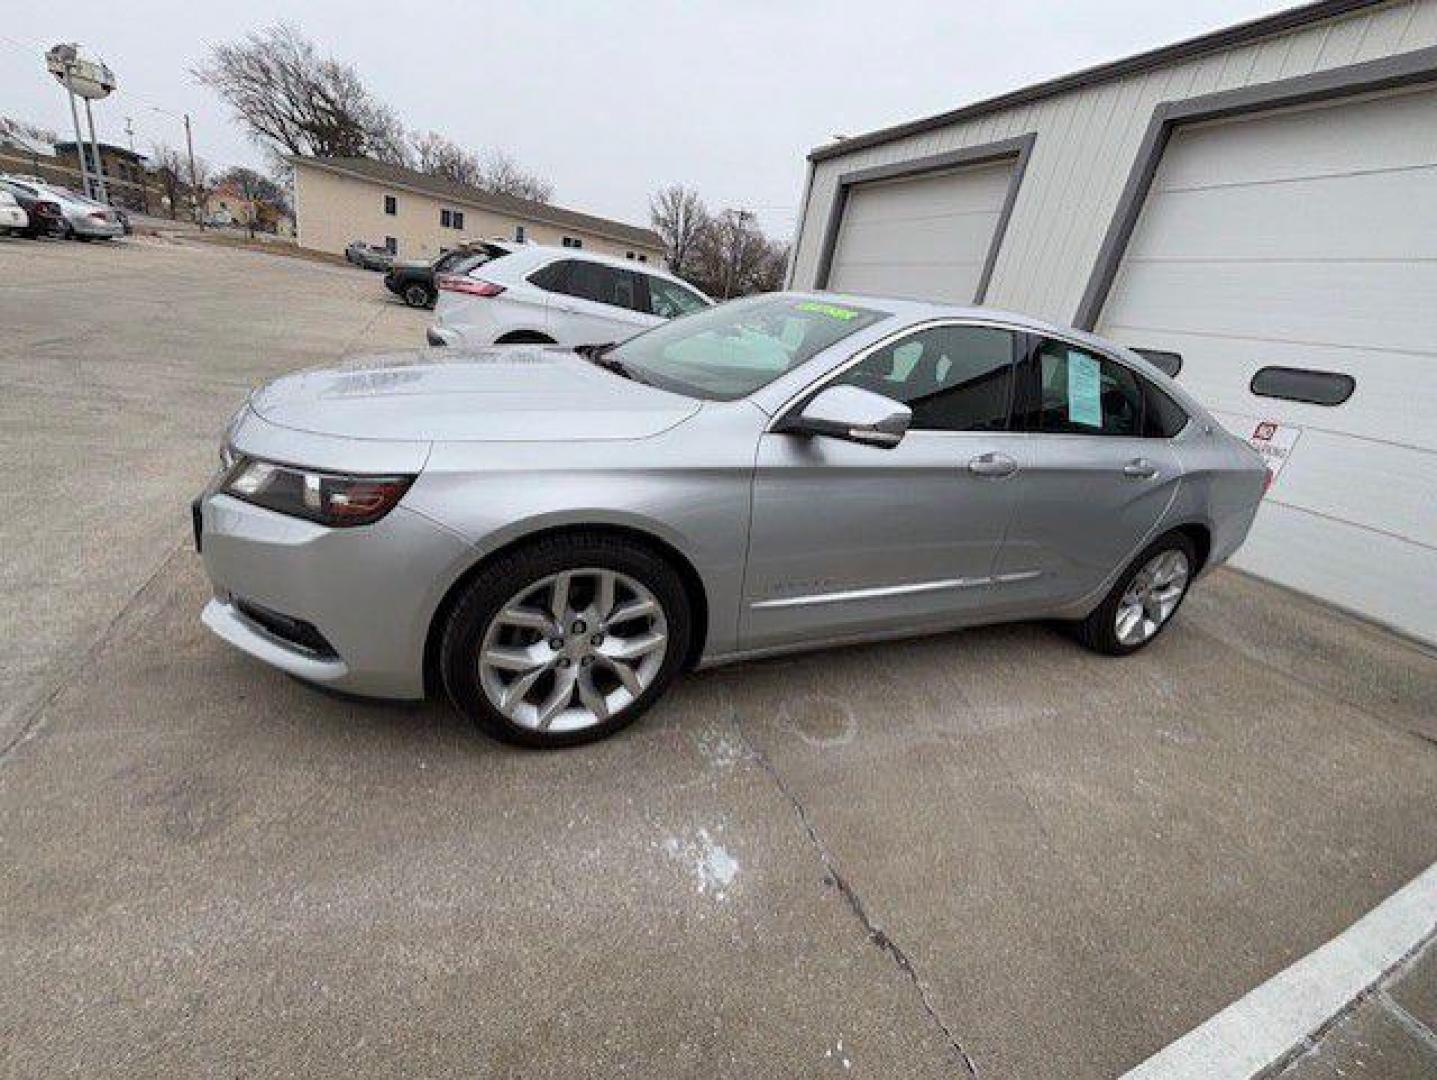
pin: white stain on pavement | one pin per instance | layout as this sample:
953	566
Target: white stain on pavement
710	863
837	1053
821	720
720	749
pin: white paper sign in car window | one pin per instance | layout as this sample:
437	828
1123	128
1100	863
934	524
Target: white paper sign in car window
1085	390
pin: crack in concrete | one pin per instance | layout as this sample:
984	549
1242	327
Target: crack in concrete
31	722
875	933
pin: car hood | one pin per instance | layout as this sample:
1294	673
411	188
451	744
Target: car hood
505	393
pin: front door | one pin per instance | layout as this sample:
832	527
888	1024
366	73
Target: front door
851	540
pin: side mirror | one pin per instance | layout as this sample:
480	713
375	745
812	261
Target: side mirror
852	413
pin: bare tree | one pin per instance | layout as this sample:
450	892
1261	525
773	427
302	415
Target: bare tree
732	257
438	156
680	218
295	101
169	166
501	174
495	171
265	200
204	184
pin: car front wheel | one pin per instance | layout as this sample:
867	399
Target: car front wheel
565	641
1144	599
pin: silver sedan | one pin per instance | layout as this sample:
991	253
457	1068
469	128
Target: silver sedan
551	535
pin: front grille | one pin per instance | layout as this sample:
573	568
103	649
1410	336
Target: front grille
293	632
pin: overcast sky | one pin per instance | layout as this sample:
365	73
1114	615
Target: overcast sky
611	99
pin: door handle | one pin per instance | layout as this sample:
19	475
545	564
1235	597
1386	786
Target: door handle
1140	469
992	465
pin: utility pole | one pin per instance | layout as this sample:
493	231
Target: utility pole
194	176
740	245
194	171
144	184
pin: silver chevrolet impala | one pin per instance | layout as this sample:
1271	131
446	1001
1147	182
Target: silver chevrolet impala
551	535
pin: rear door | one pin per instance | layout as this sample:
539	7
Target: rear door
1094	486
595	304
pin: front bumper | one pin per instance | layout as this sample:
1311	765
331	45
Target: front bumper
370	591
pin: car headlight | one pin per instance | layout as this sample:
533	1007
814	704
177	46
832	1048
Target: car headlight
333	499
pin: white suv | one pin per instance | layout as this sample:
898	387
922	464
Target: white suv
558	296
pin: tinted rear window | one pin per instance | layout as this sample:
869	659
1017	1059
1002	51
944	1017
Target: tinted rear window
1162	416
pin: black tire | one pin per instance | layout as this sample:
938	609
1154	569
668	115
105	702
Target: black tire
497	584
1099	630
418	295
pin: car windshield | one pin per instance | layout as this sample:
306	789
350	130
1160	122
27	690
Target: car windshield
728	352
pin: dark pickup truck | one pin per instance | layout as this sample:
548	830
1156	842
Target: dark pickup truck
413	282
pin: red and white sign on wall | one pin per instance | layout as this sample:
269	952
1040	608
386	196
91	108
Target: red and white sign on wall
1274	442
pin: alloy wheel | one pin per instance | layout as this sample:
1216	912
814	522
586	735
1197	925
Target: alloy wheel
1151	597
572	650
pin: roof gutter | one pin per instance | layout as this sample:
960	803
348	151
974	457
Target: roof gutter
1216	41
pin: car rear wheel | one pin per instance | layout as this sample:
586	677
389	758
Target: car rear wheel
565	641
1144	600
418	295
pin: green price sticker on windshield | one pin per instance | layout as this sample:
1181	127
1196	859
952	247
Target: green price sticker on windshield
833	311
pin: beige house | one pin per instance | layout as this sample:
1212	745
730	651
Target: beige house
337	200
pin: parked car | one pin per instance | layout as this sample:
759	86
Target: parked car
413	281
13	217
369	256
552	535
81	218
557	295
44	214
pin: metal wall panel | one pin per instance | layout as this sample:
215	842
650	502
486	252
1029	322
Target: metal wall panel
1307	238
1087	140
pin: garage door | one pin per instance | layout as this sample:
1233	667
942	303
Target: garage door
1307	240
926	237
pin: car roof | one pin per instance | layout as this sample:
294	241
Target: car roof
913	311
917	310
538	253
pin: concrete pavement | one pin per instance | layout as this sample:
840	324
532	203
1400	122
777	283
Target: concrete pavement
987	852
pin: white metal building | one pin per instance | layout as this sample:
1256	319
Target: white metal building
1261	203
